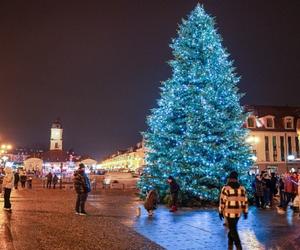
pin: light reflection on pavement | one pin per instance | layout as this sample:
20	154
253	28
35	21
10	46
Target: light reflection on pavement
6	242
202	228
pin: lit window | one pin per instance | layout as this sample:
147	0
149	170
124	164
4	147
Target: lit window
289	123
251	122
269	122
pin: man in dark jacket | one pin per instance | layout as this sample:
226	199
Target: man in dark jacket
55	180
49	179
82	187
233	202
174	189
17	179
273	187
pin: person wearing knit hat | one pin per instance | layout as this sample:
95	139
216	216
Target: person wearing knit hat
233	175
233	202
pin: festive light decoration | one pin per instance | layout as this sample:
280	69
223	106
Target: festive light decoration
196	133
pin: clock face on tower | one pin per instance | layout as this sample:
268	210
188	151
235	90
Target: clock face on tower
55	134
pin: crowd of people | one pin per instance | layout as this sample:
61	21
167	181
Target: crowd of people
10	179
267	187
269	190
51	180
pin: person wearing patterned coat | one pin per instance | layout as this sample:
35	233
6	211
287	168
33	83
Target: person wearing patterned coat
233	202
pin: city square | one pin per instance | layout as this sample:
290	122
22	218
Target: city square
149	125
44	219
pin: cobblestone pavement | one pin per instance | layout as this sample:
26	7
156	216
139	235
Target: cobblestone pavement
202	228
45	219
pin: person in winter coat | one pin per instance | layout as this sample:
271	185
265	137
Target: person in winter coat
82	187
281	192
8	184
273	187
288	190
55	180
23	179
174	190
151	202
259	192
17	179
49	179
267	187
29	182
233	202
294	179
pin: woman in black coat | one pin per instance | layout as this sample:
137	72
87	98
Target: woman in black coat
174	189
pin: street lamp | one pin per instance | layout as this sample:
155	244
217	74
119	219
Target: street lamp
6	147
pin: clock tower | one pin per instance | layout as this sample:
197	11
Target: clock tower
56	135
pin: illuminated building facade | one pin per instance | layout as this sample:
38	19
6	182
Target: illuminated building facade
274	137
56	140
55	160
132	159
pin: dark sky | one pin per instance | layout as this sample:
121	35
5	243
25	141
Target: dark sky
98	64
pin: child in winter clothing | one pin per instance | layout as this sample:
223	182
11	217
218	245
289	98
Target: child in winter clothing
151	202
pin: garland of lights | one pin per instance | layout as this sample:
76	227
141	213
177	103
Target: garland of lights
196	133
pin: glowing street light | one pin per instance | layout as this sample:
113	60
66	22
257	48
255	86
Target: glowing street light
5	147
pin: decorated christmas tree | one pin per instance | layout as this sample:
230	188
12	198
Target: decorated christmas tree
196	133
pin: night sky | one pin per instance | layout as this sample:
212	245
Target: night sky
98	64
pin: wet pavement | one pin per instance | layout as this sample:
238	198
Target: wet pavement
44	219
201	228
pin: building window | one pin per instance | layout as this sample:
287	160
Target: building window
251	122
289	123
290	145
297	147
269	122
274	148
267	150
282	154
